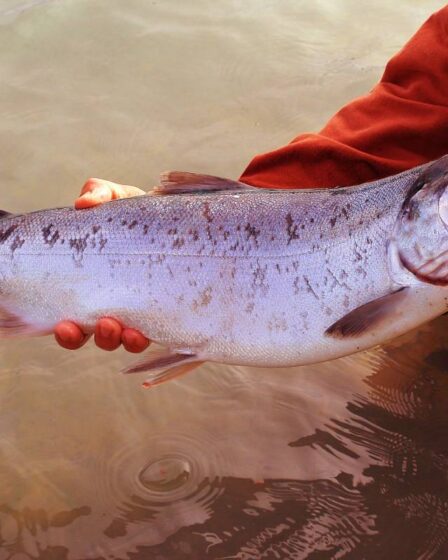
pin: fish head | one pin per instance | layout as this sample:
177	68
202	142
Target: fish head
420	237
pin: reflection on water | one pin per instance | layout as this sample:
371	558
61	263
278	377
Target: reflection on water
346	459
340	463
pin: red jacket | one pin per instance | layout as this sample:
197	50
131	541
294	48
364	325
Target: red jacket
401	123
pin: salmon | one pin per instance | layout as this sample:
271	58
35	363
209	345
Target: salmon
216	270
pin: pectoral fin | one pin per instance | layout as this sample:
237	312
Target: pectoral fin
368	316
12	326
163	365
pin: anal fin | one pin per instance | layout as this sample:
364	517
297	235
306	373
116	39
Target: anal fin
163	365
368	316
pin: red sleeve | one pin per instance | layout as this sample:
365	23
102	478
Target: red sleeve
401	123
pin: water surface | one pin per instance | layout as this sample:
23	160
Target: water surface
346	459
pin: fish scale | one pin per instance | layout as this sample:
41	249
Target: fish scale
213	269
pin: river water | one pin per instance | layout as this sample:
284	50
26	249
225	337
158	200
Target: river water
346	459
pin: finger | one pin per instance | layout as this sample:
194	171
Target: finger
108	334
69	335
98	195
97	191
92	184
125	191
134	341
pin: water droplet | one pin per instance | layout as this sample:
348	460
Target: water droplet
166	474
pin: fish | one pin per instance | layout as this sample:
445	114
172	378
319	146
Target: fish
216	270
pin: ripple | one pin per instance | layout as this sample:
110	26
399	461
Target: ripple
154	486
166	475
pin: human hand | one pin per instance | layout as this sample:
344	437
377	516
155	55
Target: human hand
97	191
109	333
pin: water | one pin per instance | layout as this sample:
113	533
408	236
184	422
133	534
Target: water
347	459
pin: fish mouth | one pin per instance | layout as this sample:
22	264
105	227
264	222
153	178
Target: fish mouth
434	271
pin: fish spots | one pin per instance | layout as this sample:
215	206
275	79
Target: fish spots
361	271
132	224
309	287
79	245
145	229
50	235
206	212
170	270
296	285
178	243
252	233
250	306
333	221
277	323
17	243
338	282
157	258
6	234
208	231
304	316
358	256
259	276
204	299
194	234
291	228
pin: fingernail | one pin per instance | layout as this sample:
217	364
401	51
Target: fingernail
66	334
106	330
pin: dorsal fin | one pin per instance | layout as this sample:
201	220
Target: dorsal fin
4	214
181	182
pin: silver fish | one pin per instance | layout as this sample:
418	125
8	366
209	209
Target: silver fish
216	270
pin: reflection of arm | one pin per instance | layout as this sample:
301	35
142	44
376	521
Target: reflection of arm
401	123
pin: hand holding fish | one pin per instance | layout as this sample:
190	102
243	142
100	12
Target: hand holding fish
109	333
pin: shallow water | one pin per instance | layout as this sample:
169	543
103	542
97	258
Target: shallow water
346	459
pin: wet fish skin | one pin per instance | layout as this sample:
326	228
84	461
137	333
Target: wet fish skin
237	275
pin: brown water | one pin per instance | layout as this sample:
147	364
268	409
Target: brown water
347	459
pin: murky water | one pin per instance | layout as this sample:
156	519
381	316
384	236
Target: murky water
343	460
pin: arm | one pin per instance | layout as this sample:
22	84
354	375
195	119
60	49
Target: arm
401	123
